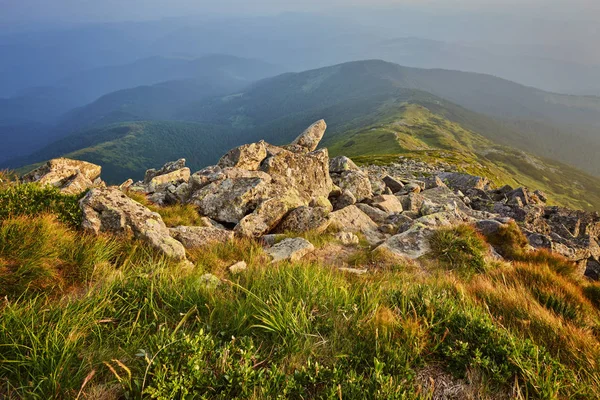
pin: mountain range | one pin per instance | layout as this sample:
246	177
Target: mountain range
505	128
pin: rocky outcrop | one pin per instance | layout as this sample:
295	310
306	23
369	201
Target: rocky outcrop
70	176
110	210
259	190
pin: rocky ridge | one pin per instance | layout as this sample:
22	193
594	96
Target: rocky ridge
259	190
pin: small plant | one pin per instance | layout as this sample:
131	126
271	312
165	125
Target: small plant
32	199
509	241
460	248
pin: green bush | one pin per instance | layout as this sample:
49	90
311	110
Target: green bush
32	199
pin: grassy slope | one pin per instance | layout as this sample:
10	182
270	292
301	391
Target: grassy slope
413	131
100	317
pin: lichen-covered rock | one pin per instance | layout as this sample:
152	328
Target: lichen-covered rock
238	268
71	176
342	164
304	219
292	249
393	184
307	173
110	210
161	182
345	199
357	182
411	202
412	244
231	199
167	168
193	237
463	182
352	219
387	203
267	215
311	137
248	156
377	215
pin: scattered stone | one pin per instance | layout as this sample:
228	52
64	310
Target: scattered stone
412	244
193	237
378	216
292	249
357	182
387	203
343	200
393	184
463	182
238	268
347	238
353	271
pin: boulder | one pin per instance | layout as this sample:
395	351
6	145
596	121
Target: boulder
310	138
110	210
266	216
433	182
592	270
463	182
291	249
345	199
248	156
387	203
412	244
377	215
393	184
163	181
193	237
231	199
352	219
304	219
71	176
342	164
167	168
357	182
78	183
411	202
307	173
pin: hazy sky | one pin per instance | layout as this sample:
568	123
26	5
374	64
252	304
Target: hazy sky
17	11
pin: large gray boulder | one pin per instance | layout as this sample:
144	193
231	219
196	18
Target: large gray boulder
70	176
248	156
412	244
352	219
110	210
356	182
305	219
307	173
234	196
267	215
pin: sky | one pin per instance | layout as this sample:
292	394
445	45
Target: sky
27	11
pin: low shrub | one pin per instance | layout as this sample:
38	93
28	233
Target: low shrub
32	199
459	248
